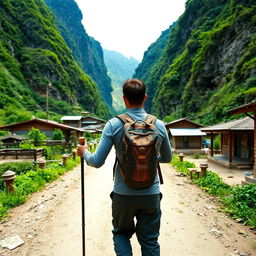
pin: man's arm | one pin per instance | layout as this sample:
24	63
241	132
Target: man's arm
165	150
97	159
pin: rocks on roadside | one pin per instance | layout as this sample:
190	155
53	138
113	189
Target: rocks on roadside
216	232
11	242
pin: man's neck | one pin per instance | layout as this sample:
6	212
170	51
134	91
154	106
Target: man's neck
135	107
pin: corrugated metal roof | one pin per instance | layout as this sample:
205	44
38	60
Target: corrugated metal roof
71	118
186	132
245	123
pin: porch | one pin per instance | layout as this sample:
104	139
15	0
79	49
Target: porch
237	162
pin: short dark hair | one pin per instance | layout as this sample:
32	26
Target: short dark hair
134	91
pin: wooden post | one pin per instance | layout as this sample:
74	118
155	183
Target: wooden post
211	144
230	144
35	155
254	157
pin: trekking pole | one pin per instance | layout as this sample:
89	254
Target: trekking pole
82	142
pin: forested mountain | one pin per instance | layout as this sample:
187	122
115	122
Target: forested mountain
32	54
150	58
120	68
208	65
86	50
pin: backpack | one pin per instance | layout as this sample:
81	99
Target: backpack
139	163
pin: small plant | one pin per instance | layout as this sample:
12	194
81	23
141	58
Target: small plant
216	142
57	134
238	201
30	182
36	136
26	145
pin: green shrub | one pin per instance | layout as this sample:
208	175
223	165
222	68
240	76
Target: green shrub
36	136
216	142
30	182
242	203
18	168
181	166
26	145
57	134
53	152
213	184
238	201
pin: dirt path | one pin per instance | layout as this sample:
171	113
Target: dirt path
50	222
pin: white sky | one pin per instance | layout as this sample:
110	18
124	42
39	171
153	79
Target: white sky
129	26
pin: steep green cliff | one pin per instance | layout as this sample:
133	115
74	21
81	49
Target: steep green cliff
86	50
32	54
149	62
209	64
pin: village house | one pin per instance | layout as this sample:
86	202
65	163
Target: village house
246	109
12	139
87	123
236	143
185	136
45	126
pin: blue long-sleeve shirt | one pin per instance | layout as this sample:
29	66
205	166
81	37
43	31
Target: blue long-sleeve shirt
112	135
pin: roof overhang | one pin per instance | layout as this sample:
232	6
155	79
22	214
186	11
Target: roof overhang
250	107
186	132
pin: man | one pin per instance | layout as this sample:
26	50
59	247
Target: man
129	203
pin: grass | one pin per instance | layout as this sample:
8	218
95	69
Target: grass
30	182
238	201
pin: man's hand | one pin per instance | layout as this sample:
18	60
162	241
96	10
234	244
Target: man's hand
81	149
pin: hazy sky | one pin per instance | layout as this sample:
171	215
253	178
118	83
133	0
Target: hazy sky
129	26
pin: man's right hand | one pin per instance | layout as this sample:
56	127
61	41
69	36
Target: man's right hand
81	149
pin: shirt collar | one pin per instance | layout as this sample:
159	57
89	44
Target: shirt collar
136	111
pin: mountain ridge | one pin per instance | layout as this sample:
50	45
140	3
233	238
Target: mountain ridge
208	64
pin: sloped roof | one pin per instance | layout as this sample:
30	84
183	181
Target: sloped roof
183	119
43	121
71	118
186	132
93	117
13	136
243	109
241	124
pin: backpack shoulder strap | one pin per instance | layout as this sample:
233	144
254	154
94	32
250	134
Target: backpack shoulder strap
150	119
125	118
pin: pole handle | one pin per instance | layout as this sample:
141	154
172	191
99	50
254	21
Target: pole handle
81	140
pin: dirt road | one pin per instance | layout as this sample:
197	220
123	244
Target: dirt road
192	224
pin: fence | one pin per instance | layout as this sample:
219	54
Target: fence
16	153
62	143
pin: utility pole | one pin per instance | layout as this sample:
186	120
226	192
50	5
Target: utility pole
47	100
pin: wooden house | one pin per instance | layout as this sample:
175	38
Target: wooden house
12	139
91	120
185	136
236	142
74	121
45	126
87	123
246	109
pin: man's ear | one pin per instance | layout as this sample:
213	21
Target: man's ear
145	97
125	101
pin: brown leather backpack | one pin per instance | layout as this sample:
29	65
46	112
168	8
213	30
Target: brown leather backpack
139	163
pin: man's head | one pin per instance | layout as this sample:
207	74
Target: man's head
134	92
